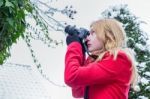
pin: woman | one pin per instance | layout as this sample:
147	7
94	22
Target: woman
108	76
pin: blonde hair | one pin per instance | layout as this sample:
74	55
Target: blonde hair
111	32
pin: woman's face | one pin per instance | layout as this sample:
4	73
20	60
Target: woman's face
93	43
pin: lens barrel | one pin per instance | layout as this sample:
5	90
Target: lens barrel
72	30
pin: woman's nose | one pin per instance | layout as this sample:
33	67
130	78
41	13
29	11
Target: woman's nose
87	38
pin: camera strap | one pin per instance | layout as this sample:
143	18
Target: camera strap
86	50
86	92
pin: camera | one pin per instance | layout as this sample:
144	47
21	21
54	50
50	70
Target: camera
81	32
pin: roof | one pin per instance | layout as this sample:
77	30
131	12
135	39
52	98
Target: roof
20	82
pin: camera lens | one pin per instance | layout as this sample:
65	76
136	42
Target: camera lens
71	30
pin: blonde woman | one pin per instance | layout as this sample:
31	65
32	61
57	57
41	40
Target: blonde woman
111	74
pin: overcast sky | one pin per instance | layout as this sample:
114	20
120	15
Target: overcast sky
53	59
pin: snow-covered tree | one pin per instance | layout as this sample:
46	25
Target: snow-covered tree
137	40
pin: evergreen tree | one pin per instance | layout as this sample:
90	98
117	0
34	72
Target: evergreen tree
137	40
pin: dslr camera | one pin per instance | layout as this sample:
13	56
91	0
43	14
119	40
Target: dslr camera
81	32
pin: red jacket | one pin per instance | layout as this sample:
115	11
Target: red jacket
107	79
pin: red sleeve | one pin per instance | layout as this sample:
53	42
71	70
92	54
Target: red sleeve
78	91
104	71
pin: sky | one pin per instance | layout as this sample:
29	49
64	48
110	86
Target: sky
52	59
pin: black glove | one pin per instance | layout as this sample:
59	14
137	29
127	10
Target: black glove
75	38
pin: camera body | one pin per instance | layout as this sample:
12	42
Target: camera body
81	32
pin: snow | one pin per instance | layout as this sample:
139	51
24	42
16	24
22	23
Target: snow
144	81
142	97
